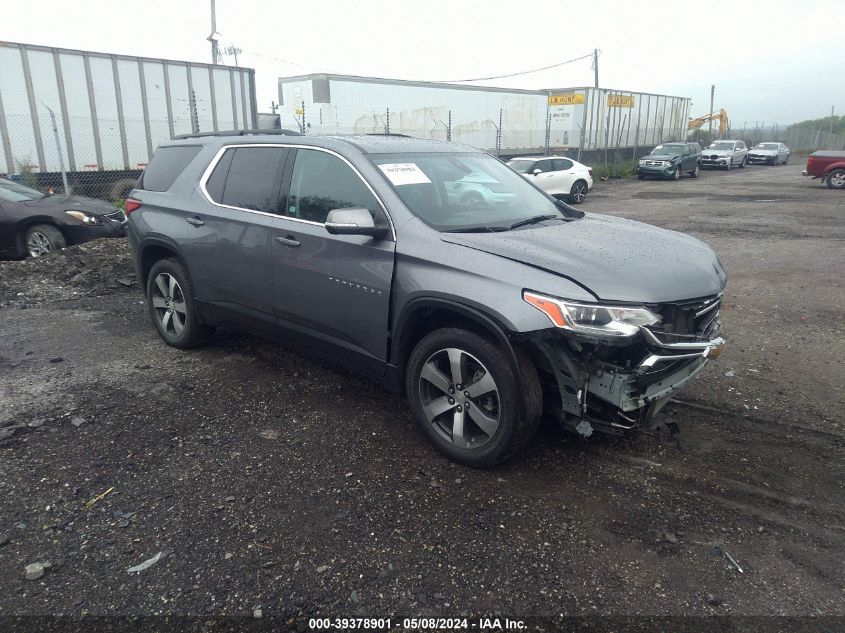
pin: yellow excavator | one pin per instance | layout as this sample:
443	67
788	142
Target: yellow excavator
720	116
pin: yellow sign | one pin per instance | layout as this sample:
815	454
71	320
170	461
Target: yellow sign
567	99
620	101
299	111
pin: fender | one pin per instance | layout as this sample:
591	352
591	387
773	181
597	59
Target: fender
837	165
488	322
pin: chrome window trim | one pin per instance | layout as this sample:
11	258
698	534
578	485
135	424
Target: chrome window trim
216	159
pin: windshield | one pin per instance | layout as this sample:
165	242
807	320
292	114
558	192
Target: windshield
465	191
721	146
766	146
16	192
668	149
521	165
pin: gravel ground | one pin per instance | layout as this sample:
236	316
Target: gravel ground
263	479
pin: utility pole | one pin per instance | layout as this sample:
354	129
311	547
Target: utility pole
215	54
831	120
710	123
596	65
59	150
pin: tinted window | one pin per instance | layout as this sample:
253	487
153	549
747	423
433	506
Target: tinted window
322	182
562	164
545	165
252	179
166	165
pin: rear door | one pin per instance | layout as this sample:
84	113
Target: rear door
229	253
335	288
565	175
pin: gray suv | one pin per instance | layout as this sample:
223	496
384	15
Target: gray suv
486	313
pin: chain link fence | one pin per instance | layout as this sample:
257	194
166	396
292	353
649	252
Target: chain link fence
99	165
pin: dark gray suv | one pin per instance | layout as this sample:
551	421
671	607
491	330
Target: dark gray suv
487	313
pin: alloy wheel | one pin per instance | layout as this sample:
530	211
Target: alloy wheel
459	398
837	179
579	192
169	304
38	244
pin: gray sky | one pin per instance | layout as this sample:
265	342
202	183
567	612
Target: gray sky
771	61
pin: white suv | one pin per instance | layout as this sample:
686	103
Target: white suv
725	155
556	175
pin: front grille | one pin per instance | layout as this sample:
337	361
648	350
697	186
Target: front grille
117	216
687	320
654	163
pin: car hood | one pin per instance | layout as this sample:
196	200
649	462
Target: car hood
718	152
763	152
70	203
613	258
661	157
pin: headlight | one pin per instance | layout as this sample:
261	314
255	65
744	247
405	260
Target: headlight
642	162
85	217
591	318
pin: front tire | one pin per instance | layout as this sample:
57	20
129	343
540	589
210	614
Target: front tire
43	239
836	179
677	174
170	299
694	173
578	192
468	401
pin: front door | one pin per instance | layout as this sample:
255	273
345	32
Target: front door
335	288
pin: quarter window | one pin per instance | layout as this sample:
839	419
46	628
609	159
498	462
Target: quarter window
321	182
248	178
167	163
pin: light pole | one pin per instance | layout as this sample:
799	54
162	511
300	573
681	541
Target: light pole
214	36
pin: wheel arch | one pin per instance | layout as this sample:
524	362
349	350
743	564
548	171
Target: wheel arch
834	167
424	315
153	250
27	223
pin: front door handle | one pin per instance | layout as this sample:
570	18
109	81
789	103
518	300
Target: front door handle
194	221
290	240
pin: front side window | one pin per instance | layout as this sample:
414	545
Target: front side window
464	191
248	178
321	182
722	145
522	165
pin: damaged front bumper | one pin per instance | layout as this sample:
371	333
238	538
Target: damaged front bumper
616	388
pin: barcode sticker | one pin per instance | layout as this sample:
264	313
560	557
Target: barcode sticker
404	174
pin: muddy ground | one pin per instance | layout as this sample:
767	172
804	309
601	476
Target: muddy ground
277	482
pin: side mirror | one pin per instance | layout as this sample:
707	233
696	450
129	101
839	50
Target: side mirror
353	222
537	171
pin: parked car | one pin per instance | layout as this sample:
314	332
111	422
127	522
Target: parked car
828	165
725	155
670	160
768	154
33	223
478	189
558	176
485	317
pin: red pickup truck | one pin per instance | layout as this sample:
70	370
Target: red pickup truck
827	165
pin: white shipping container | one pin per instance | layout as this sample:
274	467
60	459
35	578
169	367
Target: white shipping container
111	110
531	121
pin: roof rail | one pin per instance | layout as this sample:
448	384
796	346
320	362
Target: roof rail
239	133
387	134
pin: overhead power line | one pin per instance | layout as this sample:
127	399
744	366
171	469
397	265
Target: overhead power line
517	74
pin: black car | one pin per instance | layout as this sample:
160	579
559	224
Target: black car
670	160
33	223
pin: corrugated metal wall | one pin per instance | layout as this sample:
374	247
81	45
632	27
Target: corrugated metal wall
111	110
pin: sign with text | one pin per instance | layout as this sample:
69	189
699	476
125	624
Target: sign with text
620	101
566	99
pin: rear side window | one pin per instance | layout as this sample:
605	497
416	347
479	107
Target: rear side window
166	165
562	164
248	178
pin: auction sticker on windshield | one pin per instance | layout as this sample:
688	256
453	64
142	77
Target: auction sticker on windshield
404	174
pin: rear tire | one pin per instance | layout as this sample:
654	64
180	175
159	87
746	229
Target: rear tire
43	239
742	163
495	425
170	300
836	179
578	193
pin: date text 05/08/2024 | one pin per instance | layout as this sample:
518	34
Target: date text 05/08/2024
416	624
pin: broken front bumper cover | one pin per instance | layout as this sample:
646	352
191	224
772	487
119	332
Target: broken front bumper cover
615	396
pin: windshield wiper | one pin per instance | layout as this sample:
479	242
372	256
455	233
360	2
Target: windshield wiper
535	219
478	229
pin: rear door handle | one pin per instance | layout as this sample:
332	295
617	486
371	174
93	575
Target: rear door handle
194	221
290	240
